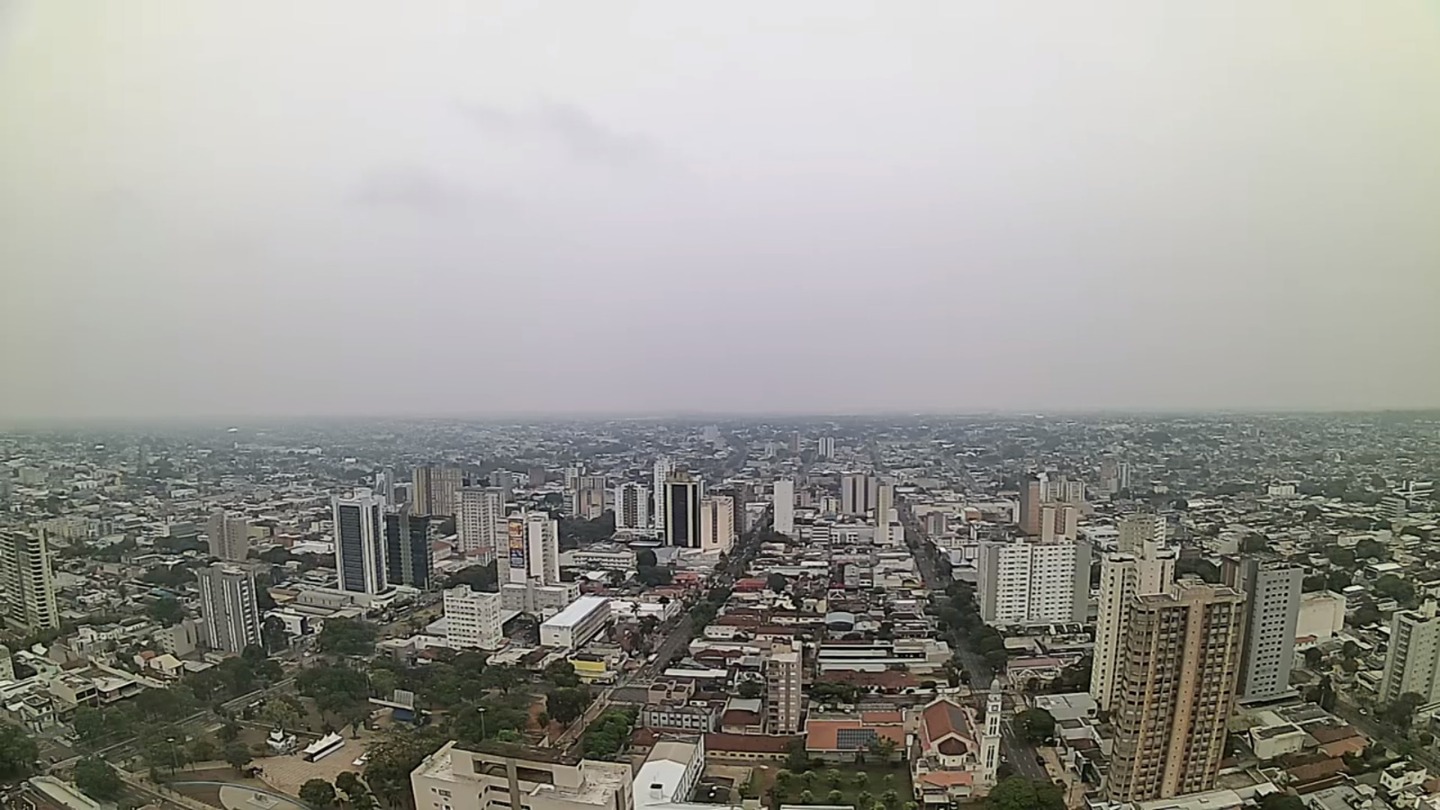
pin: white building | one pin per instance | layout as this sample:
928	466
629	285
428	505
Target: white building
572	627
228	611
670	773
884	505
825	447
632	506
663	468
1414	654
1272	607
536	599
784	500
229	536
1322	615
27	584
533	549
1139	565
480	520
455	779
717	523
472	619
1029	582
360	541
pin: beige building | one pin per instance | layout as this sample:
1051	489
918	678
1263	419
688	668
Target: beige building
435	490
1178	672
717	523
481	521
27	585
518	778
784	675
1413	659
229	536
1140	565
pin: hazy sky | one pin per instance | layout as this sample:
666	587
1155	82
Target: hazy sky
214	207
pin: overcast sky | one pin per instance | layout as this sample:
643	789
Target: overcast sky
210	207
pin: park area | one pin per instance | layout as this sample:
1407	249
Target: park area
872	786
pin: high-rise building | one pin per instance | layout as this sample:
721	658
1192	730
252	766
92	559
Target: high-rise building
1029	583
589	497
360	541
228	609
784	502
27	584
859	493
682	502
1141	565
533	549
1177	680
481	521
1412	663
825	447
717	523
385	482
229	536
663	468
472	619
884	503
433	489
1272	608
408	559
1031	494
632	506
784	673
1059	520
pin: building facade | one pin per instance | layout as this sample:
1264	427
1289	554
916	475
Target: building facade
682	505
783	499
1029	582
1140	565
229	536
472	619
1413	660
481	521
533	549
1272	611
408	559
717	523
784	677
360	541
663	468
632	506
519	779
229	613
27	583
434	488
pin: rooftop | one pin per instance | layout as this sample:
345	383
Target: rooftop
577	610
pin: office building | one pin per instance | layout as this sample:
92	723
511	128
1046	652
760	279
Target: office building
518	778
408	559
573	627
481	522
858	493
1176	687
472	619
533	549
229	615
385	482
632	507
1139	566
1272	610
229	536
825	447
784	676
682	504
1412	663
360	541
588	498
717	523
1029	582
663	468
1031	495
783	500
27	583
433	490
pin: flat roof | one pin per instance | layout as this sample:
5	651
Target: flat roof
576	611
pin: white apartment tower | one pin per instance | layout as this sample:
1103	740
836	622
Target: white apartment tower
1272	609
472	619
1141	565
1412	663
784	500
632	507
229	536
825	447
533	549
480	522
27	584
360	541
884	503
663	468
228	608
717	523
1029	582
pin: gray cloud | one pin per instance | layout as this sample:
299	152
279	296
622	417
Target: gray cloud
572	128
420	190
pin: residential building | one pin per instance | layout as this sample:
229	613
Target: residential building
229	615
1413	659
574	626
229	536
27	583
717	523
1272	610
825	447
682	504
481	521
858	493
1140	565
534	549
1176	687
1031	494
1029	582
408	559
884	503
1059	520
663	468
784	506
632	506
433	489
784	674
588	499
360	541
472	619
516	778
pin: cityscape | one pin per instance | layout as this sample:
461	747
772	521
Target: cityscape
1114	612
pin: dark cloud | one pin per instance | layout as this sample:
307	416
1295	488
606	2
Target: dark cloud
574	129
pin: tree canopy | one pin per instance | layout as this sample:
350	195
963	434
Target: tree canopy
1019	793
348	637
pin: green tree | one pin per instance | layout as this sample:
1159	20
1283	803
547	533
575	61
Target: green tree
392	759
1402	710
1313	583
348	637
807	797
89	724
1282	801
834	778
318	794
861	779
1396	588
750	689
99	781
890	799
834	797
167	611
202	750
237	754
562	673
797	760
565	705
865	799
1338	581
1019	793
279	713
1313	657
383	683
349	784
1036	725
273	635
777	583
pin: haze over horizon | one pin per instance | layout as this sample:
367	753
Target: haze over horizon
271	210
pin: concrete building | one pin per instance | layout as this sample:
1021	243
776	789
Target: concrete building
360	541
533	546
1413	659
573	627
663	468
884	504
1031	494
1029	582
229	616
858	493
517	778
1059	520
682	506
1176	688
717	523
784	674
1140	565
1322	615
632	506
670	773
1272	608
27	583
433	489
825	447
588	499
539	600
472	619
229	536
408	559
784	505
481	522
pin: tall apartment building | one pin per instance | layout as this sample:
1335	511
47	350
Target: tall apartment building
27	583
472	619
385	482
229	536
717	523
1059	520
663	468
228	609
516	778
408	559
360	541
1141	565
682	503
1032	492
1029	582
1178	673
884	504
784	505
858	493
433	489
825	447
1412	664
533	546
784	676
632	506
1272	609
588	499
481	522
